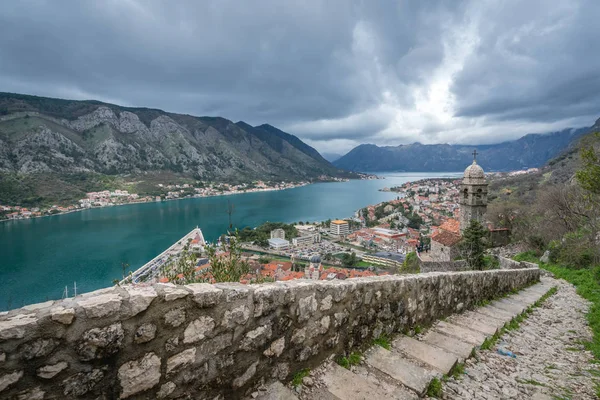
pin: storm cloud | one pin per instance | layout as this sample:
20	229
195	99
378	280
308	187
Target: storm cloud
335	73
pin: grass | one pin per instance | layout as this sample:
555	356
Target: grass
297	379
353	359
587	282
435	388
383	341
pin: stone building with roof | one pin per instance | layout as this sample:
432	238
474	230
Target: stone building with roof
473	206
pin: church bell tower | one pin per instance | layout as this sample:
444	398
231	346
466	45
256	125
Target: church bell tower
473	195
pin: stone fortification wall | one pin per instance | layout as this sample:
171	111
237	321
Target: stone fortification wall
507	263
443	266
201	340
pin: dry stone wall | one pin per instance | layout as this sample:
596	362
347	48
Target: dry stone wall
443	266
206	341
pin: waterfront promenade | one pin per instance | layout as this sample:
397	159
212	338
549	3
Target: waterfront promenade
150	271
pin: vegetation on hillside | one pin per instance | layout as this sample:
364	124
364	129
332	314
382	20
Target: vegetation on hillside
564	220
262	233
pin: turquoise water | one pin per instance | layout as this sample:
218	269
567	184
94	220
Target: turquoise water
38	257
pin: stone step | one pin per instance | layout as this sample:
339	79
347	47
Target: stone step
276	391
345	385
404	371
461	349
437	358
512	307
496	313
471	321
497	322
459	332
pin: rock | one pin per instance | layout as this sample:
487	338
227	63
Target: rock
145	333
38	348
137	376
81	383
101	342
545	258
165	390
9	379
32	394
198	329
16	326
326	303
50	371
306	307
276	348
205	294
173	292
38	306
97	306
308	381
186	357
241	380
237	316
140	298
2	357
175	317
256	338
63	315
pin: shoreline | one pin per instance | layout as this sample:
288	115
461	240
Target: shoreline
155	201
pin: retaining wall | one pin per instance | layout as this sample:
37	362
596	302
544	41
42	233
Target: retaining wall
443	266
202	341
507	263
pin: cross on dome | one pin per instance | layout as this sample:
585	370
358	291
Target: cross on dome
475	154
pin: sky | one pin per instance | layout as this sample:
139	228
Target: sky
334	73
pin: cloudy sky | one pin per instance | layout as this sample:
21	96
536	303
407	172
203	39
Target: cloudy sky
335	73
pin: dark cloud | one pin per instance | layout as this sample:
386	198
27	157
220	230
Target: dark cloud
337	73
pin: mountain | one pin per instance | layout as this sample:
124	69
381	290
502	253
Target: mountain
46	135
532	150
331	157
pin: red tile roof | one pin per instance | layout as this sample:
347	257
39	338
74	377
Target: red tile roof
446	238
451	225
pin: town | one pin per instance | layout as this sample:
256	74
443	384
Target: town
162	192
375	241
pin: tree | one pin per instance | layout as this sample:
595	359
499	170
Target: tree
589	176
349	260
410	264
473	245
228	266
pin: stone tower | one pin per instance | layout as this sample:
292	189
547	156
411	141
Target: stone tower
473	195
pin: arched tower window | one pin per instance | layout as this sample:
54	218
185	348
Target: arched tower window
466	193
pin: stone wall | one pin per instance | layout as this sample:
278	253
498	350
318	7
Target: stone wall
507	263
444	266
202	341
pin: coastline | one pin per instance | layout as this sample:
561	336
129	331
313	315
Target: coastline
155	201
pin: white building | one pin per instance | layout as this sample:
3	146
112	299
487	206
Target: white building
306	240
339	227
279	244
278	234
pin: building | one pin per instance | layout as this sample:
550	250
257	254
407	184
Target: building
388	235
279	244
473	206
473	195
278	234
384	258
339	227
444	245
306	240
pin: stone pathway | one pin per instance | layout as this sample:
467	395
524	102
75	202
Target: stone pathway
550	362
407	368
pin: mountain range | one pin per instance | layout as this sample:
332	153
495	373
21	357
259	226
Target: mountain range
46	135
532	150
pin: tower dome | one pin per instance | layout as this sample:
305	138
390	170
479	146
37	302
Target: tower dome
474	175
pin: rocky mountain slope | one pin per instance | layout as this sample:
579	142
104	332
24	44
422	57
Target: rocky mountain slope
44	135
532	150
